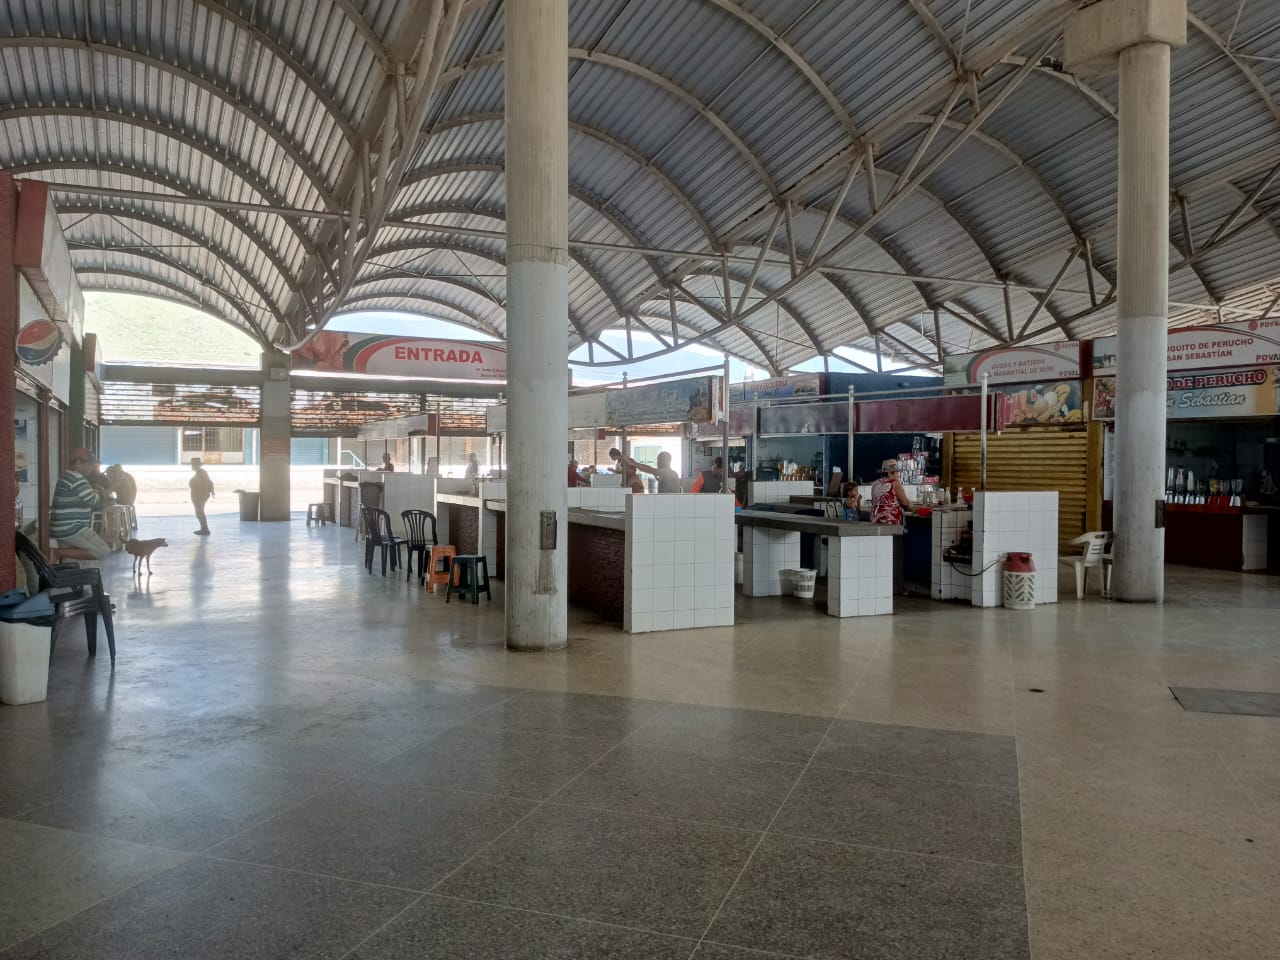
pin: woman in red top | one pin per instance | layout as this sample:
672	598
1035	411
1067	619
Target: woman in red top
887	502
887	496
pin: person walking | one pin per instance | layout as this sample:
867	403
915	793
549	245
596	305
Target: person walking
201	491
473	468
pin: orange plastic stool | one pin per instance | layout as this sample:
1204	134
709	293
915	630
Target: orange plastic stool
435	574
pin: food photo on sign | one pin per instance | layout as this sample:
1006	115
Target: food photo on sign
1043	404
1104	398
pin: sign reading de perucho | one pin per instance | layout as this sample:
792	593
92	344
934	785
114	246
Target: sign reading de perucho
334	351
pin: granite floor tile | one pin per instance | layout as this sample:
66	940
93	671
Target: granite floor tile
944	818
732	791
498	760
50	874
213	910
187	804
37	771
722	731
920	752
812	899
571	714
632	871
401	835
460	930
720	951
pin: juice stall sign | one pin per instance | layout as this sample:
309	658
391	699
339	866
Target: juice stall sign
1207	394
1031	364
1245	344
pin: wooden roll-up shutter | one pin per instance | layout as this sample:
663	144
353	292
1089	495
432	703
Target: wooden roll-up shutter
1043	459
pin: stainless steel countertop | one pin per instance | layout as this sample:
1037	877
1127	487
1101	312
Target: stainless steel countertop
819	525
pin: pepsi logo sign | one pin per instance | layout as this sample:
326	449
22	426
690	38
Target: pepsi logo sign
39	342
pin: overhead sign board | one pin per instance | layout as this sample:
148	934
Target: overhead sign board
1031	364
678	401
1206	394
1246	344
334	351
779	388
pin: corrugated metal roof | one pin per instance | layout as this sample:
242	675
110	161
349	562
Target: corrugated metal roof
698	129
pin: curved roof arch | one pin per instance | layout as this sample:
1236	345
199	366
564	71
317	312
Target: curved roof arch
849	179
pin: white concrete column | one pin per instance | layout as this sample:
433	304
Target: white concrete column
1142	290
273	451
537	171
1139	35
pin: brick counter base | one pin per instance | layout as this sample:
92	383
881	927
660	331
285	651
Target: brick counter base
597	569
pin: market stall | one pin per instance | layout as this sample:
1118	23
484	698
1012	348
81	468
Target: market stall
1222	503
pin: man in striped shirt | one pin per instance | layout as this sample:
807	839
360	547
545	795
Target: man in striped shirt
71	515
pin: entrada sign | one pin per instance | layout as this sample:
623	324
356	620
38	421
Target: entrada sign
334	351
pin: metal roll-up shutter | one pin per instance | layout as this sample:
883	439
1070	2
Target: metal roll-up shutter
1044	459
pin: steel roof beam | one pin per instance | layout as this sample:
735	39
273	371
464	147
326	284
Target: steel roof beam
236	303
182	230
253	114
237	223
242	172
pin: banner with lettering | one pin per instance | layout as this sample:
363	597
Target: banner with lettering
1203	395
333	351
1031	364
1245	344
677	401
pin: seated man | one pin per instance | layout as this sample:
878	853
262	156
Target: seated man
71	514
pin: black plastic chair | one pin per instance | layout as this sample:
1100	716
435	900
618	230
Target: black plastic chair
378	524
368	494
75	591
417	540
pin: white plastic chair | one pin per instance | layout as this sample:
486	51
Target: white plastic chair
1094	555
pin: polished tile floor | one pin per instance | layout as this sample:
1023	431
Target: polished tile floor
294	759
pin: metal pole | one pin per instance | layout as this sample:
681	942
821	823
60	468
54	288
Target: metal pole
724	430
985	395
849	454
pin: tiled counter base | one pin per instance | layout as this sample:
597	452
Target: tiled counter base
766	553
859	576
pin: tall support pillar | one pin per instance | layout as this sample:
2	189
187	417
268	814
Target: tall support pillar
537	171
1139	37
273	450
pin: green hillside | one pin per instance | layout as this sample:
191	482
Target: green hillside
133	329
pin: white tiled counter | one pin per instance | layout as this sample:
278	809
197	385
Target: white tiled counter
1014	522
949	581
859	564
679	561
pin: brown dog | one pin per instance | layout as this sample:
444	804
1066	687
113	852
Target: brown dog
142	550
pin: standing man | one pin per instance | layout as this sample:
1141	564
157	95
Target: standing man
201	491
668	479
71	513
473	468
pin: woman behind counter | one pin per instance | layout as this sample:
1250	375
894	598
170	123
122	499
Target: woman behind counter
888	500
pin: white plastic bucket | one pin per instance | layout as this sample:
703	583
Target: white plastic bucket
805	581
788	578
24	663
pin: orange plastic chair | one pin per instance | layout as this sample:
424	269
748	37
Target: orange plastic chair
437	574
